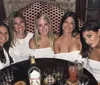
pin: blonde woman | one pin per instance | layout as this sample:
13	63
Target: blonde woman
19	48
42	43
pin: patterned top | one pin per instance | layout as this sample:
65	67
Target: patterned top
3	65
21	51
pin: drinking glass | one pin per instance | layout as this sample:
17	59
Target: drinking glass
72	72
79	67
58	73
49	77
83	79
7	76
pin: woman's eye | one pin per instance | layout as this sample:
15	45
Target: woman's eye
21	21
15	23
72	23
89	36
46	24
39	25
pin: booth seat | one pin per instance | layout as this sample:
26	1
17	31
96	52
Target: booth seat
55	13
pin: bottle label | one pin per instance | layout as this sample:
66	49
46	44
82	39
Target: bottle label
35	78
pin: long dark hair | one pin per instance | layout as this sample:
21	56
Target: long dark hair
6	46
88	26
66	15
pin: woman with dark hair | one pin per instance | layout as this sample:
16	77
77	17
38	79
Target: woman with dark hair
67	46
19	49
90	38
5	59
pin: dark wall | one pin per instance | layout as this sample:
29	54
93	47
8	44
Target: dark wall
81	9
2	11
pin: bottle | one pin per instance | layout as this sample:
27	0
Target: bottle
34	73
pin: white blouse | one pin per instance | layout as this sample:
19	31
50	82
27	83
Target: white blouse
93	67
3	65
21	50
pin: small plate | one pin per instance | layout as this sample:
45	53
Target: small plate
20	83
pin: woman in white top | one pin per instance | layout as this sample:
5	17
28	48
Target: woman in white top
4	45
90	38
19	49
67	46
42	43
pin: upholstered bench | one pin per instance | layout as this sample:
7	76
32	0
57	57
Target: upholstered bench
55	13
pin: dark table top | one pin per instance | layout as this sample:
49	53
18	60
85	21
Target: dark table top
21	69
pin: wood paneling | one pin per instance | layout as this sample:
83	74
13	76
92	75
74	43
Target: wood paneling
2	11
81	9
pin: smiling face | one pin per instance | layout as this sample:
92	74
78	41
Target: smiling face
68	25
43	26
92	38
19	25
4	35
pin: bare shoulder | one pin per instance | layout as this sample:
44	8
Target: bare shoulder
57	43
32	43
57	40
56	36
77	37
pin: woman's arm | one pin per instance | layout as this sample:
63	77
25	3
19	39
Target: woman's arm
32	43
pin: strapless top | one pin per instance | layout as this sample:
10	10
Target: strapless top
93	67
71	56
44	53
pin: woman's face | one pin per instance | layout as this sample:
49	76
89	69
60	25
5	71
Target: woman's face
91	38
4	35
43	26
68	25
19	25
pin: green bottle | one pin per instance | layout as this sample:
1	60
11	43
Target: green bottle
34	73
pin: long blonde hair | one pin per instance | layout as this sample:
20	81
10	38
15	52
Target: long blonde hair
37	35
11	25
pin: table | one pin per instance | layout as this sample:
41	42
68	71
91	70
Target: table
21	69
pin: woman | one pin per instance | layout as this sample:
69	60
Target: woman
90	38
4	44
67	46
42	43
19	49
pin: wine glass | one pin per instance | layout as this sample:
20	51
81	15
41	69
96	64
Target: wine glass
79	67
7	76
58	73
83	79
49	77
